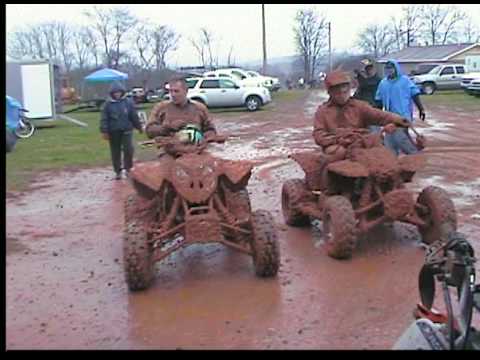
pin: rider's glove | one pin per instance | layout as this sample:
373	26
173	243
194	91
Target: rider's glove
421	114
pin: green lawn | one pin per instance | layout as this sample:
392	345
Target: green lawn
453	99
63	145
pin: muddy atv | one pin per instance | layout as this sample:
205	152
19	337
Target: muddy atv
366	188
188	196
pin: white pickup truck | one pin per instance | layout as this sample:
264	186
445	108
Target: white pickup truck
441	77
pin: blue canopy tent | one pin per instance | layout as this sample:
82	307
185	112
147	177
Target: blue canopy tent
106	75
101	78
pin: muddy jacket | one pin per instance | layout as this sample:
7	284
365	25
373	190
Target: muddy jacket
166	117
354	114
119	115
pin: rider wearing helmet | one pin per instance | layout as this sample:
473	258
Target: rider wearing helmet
187	117
342	111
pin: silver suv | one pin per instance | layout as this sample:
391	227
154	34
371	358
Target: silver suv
226	92
441	77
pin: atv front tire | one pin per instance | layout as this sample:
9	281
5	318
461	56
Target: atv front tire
266	253
339	226
442	217
292	192
137	252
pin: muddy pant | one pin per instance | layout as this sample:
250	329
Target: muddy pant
121	141
400	142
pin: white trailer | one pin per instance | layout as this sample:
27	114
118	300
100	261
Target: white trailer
36	84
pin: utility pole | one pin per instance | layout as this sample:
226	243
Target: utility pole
264	41
330	46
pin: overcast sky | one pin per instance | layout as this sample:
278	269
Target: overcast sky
233	24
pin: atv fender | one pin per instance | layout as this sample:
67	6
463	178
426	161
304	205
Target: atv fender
237	172
412	163
310	161
348	168
148	177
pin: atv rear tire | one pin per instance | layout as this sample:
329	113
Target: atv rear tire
339	226
264	241
442	217
292	193
137	252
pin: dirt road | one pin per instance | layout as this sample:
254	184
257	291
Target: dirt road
65	283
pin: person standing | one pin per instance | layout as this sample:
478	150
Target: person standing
368	81
397	93
119	118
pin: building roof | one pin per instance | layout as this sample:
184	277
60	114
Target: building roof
428	53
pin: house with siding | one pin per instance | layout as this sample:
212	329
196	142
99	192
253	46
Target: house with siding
412	57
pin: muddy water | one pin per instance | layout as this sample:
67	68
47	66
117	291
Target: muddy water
65	282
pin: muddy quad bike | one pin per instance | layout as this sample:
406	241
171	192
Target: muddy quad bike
364	189
189	196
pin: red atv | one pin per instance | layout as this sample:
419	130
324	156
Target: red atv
189	196
362	190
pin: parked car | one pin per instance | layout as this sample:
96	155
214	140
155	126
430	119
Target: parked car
468	78
138	95
225	92
422	69
441	77
271	83
474	87
238	75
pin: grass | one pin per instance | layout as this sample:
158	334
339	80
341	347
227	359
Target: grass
62	145
453	98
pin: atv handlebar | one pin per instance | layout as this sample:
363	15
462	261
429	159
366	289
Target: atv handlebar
162	141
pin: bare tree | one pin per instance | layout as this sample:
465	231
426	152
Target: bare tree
92	42
440	23
64	39
112	25
470	31
102	24
165	40
310	39
376	39
21	44
203	46
123	22
229	58
408	27
143	43
81	46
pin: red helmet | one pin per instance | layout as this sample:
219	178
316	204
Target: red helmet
336	78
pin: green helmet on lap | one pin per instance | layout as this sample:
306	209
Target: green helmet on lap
190	134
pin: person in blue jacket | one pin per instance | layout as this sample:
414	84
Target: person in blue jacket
119	118
13	116
397	93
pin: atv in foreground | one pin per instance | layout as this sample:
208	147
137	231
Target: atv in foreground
364	189
188	196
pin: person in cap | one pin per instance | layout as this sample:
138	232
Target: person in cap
368	81
397	94
343	111
119	118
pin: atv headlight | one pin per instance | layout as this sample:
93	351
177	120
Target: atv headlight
181	174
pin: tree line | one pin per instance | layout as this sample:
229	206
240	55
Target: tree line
114	38
419	25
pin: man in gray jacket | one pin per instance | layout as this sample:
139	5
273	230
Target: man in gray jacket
119	117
